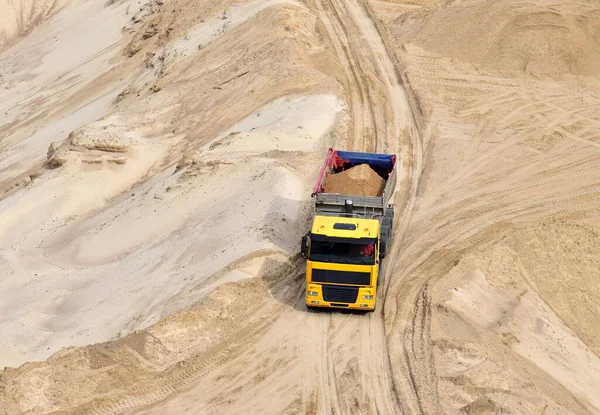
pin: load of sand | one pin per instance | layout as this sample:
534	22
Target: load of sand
359	180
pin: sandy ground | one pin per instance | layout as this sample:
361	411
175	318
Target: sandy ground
20	17
149	258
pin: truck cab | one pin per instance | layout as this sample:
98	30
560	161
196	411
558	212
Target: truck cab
343	258
350	231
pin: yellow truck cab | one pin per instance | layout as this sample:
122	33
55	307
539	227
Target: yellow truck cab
349	236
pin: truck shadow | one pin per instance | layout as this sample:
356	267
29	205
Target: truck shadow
286	282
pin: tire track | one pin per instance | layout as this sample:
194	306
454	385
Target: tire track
182	376
362	116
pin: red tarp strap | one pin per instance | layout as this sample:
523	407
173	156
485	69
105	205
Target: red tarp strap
328	161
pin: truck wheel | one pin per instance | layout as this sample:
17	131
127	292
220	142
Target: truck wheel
386	234
385	237
387	222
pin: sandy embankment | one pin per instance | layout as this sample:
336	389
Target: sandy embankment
187	174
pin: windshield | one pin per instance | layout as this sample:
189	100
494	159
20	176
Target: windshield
352	252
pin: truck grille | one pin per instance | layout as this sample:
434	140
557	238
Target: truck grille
339	294
340	277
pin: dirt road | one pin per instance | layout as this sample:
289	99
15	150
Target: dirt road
383	122
344	356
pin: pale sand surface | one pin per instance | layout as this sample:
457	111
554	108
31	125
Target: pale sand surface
148	262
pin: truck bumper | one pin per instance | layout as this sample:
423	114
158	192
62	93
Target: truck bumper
365	306
314	297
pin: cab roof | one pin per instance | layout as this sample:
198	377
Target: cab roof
345	227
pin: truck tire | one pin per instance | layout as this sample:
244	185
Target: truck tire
385	239
387	234
387	222
389	213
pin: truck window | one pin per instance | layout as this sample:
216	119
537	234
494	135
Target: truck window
342	252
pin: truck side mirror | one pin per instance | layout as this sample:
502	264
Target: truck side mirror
382	249
304	246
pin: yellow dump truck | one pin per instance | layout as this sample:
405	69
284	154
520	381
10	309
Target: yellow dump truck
350	234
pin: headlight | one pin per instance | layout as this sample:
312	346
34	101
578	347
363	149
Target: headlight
312	293
367	297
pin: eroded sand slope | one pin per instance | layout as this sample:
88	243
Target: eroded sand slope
168	212
79	235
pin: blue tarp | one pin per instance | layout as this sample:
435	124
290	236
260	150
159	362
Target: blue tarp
384	161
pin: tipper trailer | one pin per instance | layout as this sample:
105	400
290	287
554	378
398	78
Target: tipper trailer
350	235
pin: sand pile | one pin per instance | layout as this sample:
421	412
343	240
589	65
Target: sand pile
359	180
540	38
